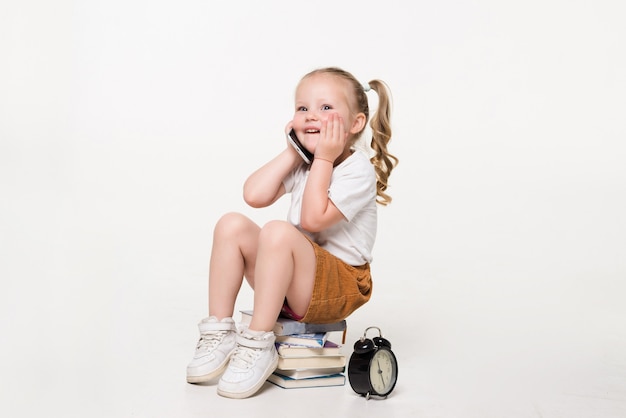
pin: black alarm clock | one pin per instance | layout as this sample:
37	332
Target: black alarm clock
373	368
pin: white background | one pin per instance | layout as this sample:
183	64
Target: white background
128	127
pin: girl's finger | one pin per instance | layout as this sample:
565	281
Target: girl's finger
324	130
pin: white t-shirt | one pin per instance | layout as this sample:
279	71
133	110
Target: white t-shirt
353	191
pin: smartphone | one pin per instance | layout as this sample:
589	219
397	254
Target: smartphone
306	155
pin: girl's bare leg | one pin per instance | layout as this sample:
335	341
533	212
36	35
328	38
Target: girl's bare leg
233	256
285	267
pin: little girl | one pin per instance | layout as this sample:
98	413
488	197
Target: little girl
314	267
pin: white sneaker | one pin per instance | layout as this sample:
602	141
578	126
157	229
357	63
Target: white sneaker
217	343
252	363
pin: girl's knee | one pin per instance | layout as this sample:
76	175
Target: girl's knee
231	223
277	232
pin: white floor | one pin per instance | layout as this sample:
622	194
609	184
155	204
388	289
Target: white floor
119	348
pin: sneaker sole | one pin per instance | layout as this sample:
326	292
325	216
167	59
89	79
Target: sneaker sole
212	375
255	388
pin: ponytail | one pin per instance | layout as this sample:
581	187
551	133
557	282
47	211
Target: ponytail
383	161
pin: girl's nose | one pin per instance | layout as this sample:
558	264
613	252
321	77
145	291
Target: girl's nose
311	115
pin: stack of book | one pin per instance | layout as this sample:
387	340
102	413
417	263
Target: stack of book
307	356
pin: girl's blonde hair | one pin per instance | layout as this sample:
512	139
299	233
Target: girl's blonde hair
383	161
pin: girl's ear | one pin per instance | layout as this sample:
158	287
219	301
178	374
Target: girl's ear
358	124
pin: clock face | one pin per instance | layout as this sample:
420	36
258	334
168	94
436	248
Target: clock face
383	371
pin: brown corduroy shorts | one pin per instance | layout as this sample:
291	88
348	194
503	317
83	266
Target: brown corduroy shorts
339	288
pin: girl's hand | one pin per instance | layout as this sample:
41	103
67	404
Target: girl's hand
288	127
290	149
332	140
287	130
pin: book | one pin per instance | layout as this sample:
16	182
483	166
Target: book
329	349
316	339
308	373
288	326
313	362
322	381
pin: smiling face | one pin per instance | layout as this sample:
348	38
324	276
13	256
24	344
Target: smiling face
317	97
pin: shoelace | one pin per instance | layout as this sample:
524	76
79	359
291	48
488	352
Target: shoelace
209	341
245	357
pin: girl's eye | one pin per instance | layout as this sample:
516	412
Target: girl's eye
326	107
302	109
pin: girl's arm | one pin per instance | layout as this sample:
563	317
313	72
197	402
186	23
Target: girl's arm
265	185
318	211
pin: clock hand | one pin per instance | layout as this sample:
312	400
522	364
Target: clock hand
380	372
